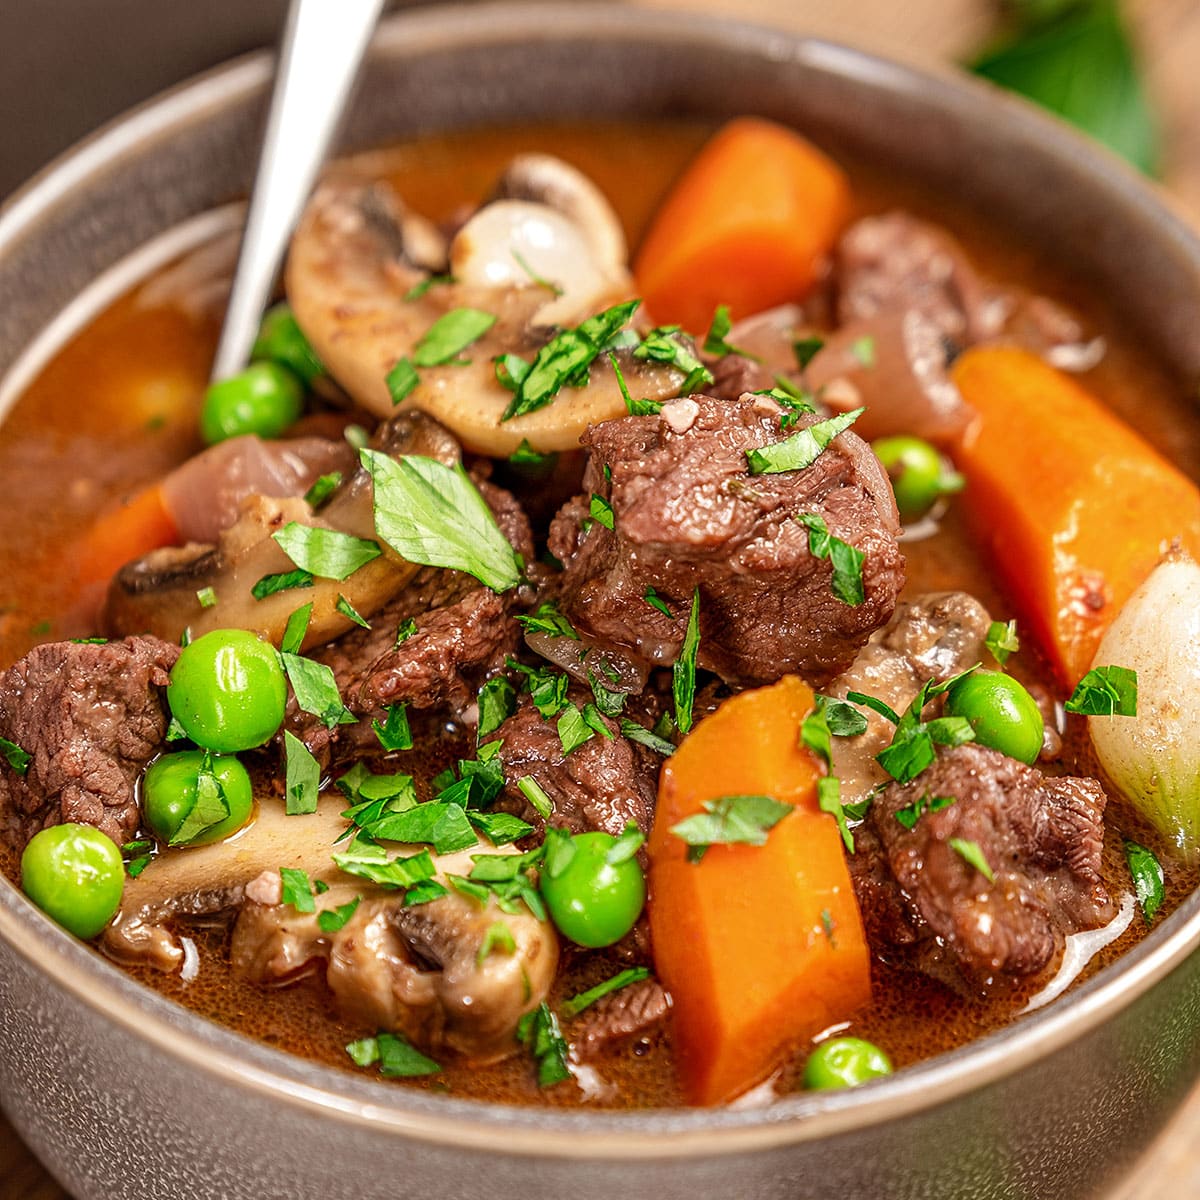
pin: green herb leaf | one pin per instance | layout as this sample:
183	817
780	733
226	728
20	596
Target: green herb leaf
296	629
526	456
803	448
576	1004
847	582
397	1058
876	705
207	597
635	408
401	380
541	1035
806	349
297	889
397	873
500	828
829	800
547	619
316	690
627	844
573	730
911	749
546	686
1148	883
438	823
210	807
350	612
536	795
16	758
718	331
497	939
565	357
862	350
268	585
424	892
328	553
601	510
419	289
394	733
540	280
971	854
497	702
683	674
844	719
643	736
912	813
728	820
510	370
450	335
302	776
405	630
433	514
666	345
323	487
330	920
1105	692
1001	640
608	702
653	599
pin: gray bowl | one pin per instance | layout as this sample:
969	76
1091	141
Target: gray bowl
124	1094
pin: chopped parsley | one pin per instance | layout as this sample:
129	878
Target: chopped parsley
540	1033
328	553
537	797
510	370
208	809
715	342
497	939
803	448
394	733
405	630
500	828
497	702
323	487
316	690
419	289
910	814
566	359
576	1004
16	758
635	408
683	674
1147	875
844	720
546	686
284	581
1001	640
547	619
207	597
450	335
297	890
817	736
608	702
401	380
862	349
433	514
296	629
644	737
350	612
302	780
666	345
1105	692
653	599
397	1058
630	840
730	819
371	862
573	729
540	280
526	456
847	561
441	824
971	854
806	349
601	510
330	920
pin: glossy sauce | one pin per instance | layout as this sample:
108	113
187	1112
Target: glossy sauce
117	407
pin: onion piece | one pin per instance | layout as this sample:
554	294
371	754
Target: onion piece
1154	758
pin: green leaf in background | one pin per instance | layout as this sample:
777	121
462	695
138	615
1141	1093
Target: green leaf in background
1074	58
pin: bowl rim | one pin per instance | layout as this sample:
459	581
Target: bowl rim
537	1131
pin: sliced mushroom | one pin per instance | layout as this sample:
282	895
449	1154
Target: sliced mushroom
193	881
444	973
353	296
160	593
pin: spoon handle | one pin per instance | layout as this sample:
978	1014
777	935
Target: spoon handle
323	45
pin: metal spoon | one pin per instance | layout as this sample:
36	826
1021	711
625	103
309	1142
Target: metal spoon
323	45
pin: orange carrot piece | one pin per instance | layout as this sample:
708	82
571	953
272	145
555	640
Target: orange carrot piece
761	947
134	527
1072	505
747	225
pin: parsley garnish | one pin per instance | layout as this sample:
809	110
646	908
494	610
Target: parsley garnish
863	351
371	862
1105	692
1147	875
573	729
970	853
547	619
536	795
323	487
268	585
1001	640
419	289
910	814
803	448
330	920
401	380
540	280
350	612
526	456
433	514
635	408
497	938
566	358
847	582
437	823
664	345
209	808
207	597
630	840
817	736
325	552
728	820
17	758
683	674
653	599
608	702
302	776
806	349
450	335
601	510
296	629
397	1058
297	889
644	737
510	370
316	690
540	1032
500	828
394	733
844	720
718	331
497	702
546	686
405	630
576	1004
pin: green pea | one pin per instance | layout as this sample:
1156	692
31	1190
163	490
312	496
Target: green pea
228	691
592	901
264	399
845	1062
74	874
1002	713
280	339
169	796
918	474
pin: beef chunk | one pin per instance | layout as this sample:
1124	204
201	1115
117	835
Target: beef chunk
602	785
633	1010
463	633
688	514
1042	838
91	716
735	374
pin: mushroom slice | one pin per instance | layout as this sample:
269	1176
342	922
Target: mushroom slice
193	881
355	300
160	593
450	974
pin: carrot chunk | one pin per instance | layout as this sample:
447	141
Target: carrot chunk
134	527
1073	507
761	947
747	225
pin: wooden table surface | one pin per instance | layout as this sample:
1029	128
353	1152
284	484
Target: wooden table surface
927	31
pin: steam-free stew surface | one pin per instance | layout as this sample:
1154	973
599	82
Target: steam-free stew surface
118	406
